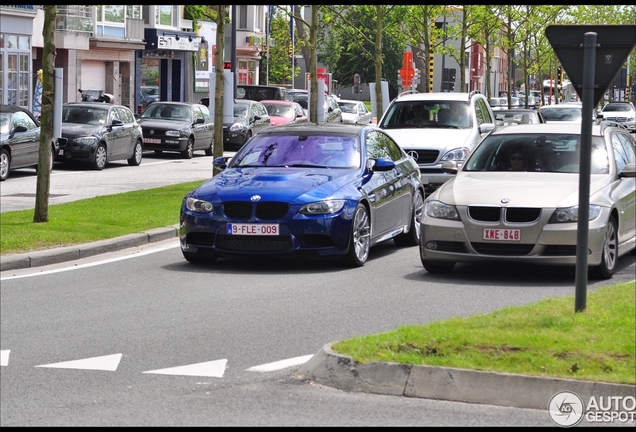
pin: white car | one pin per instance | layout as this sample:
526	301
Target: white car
620	112
563	113
434	139
355	112
516	200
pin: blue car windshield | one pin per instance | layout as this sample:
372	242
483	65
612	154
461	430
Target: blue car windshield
330	151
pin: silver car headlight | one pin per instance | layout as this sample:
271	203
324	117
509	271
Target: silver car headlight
173	133
571	214
322	207
439	210
237	127
89	140
458	154
198	206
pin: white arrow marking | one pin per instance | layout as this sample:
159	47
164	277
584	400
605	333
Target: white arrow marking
4	357
282	364
107	363
214	368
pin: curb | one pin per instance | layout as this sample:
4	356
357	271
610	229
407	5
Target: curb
70	253
458	385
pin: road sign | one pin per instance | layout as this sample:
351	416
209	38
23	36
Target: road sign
614	43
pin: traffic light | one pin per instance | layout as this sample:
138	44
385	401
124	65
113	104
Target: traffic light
559	77
227	65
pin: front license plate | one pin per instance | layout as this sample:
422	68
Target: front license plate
502	234
252	229
152	141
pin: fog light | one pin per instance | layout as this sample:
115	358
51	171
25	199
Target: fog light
431	245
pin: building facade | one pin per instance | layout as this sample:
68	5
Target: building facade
118	49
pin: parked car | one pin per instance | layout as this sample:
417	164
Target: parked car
436	139
19	140
148	94
250	117
507	117
498	103
489	212
97	133
182	127
355	112
292	92
620	112
569	112
305	190
284	112
333	113
260	92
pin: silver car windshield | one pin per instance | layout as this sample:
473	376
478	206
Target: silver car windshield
530	152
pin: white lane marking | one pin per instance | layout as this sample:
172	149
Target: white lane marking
4	357
214	368
105	261
107	363
282	364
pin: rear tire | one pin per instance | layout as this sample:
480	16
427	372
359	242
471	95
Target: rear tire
609	257
138	152
360	238
209	151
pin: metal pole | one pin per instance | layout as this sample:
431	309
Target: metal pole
589	64
233	49
442	86
291	33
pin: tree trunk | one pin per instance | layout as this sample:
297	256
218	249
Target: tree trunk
41	213
218	90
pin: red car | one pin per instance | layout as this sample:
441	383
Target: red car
284	112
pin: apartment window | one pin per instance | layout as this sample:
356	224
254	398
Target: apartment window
111	19
15	70
242	17
259	19
167	16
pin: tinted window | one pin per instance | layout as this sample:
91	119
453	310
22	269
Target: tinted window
21	118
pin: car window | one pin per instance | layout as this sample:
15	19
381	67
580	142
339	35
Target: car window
629	144
619	152
379	145
114	115
481	112
125	115
20	118
205	112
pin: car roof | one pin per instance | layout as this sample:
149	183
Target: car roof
277	102
94	104
547	128
437	96
13	108
316	128
348	100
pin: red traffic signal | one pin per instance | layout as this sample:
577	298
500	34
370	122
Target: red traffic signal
227	65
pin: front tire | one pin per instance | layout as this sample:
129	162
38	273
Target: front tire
412	238
5	164
609	257
100	157
189	150
209	151
138	152
360	239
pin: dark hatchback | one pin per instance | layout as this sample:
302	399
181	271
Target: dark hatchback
182	127
19	140
97	133
250	117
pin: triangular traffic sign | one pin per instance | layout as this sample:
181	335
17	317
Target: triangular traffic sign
613	45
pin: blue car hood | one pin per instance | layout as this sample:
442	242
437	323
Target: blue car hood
276	184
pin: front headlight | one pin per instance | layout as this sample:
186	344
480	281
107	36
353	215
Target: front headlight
198	206
458	155
89	140
322	207
439	210
571	214
173	133
237	127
